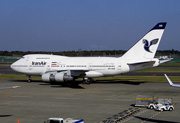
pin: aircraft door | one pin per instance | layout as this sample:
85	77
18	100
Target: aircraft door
30	67
90	66
48	66
119	66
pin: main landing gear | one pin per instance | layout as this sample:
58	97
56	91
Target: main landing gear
29	78
88	80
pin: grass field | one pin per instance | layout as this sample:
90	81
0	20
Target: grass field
155	70
171	64
17	77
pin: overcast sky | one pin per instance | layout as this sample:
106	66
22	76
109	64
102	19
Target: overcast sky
66	25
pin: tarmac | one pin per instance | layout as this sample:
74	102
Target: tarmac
37	101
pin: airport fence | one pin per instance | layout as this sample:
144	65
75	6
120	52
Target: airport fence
8	59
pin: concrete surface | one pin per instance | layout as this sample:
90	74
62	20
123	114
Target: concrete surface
37	101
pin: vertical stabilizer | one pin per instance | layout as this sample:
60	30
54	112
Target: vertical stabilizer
146	47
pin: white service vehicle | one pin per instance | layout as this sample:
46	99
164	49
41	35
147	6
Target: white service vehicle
166	107
61	120
160	102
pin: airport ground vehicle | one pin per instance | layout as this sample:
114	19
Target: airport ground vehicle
161	104
61	120
151	102
152	105
144	100
166	107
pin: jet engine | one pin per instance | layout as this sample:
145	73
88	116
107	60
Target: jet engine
57	77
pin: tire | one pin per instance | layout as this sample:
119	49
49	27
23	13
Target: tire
170	109
29	80
151	107
162	110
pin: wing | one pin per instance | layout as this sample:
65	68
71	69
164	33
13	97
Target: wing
171	83
72	72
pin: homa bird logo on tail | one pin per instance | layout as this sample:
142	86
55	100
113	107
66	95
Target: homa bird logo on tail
147	44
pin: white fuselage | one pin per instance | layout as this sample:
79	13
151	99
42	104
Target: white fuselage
91	66
95	66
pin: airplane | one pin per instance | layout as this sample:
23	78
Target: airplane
62	68
13	87
171	83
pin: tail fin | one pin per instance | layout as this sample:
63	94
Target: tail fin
146	47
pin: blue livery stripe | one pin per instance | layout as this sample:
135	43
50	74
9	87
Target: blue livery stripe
160	26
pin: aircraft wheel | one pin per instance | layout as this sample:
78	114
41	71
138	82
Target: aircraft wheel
29	80
87	80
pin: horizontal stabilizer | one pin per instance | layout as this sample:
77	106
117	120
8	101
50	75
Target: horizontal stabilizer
164	61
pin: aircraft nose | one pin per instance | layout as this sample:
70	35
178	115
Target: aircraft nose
14	66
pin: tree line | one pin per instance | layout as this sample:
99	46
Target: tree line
170	53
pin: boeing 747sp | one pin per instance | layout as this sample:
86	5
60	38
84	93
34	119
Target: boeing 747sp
62	68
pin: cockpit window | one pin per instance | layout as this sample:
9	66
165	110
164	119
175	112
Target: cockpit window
22	57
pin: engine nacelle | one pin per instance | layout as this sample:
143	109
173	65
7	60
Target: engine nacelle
68	78
58	77
46	77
